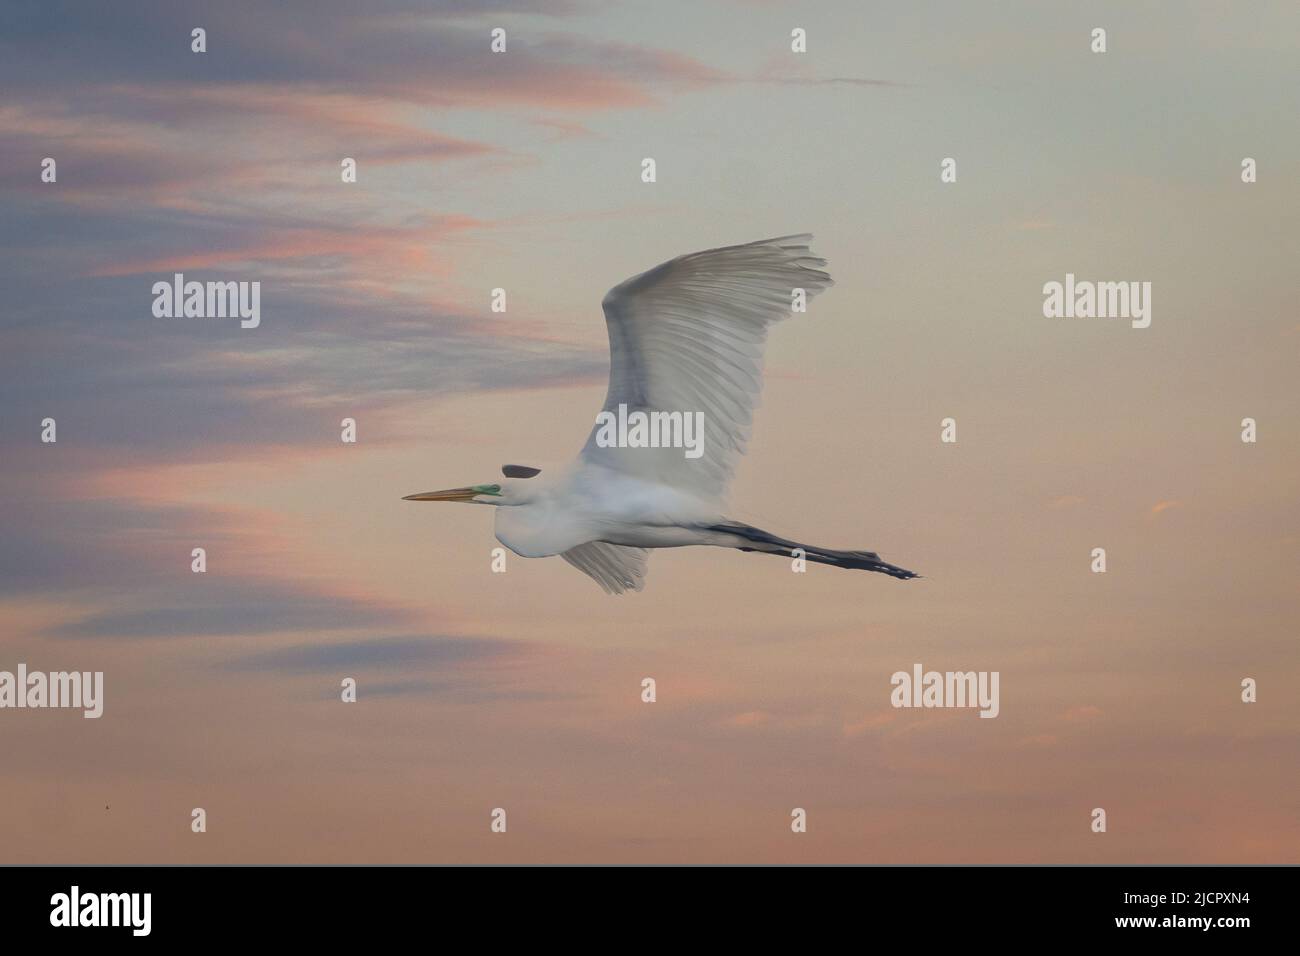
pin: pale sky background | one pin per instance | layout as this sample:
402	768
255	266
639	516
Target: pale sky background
522	690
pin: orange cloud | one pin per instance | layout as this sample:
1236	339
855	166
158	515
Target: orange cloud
750	718
1081	713
870	722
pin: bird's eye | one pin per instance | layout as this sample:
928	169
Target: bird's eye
519	471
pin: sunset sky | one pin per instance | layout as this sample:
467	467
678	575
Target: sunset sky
522	690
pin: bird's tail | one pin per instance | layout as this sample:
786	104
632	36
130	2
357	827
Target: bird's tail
748	538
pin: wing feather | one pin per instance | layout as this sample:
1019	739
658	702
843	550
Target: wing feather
615	567
688	336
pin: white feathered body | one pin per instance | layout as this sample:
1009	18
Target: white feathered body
593	503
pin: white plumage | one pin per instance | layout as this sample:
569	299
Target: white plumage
689	334
685	337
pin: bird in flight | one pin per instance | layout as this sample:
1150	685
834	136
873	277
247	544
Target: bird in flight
685	347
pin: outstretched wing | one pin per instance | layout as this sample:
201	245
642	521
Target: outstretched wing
688	337
614	567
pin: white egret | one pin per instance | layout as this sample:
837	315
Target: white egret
685	339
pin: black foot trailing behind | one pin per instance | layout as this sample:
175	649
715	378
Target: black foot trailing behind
756	539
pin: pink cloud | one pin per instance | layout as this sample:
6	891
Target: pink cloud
870	722
750	718
1084	712
399	249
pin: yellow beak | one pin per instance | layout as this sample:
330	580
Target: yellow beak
451	494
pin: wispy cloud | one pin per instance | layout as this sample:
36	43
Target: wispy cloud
406	651
231	609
